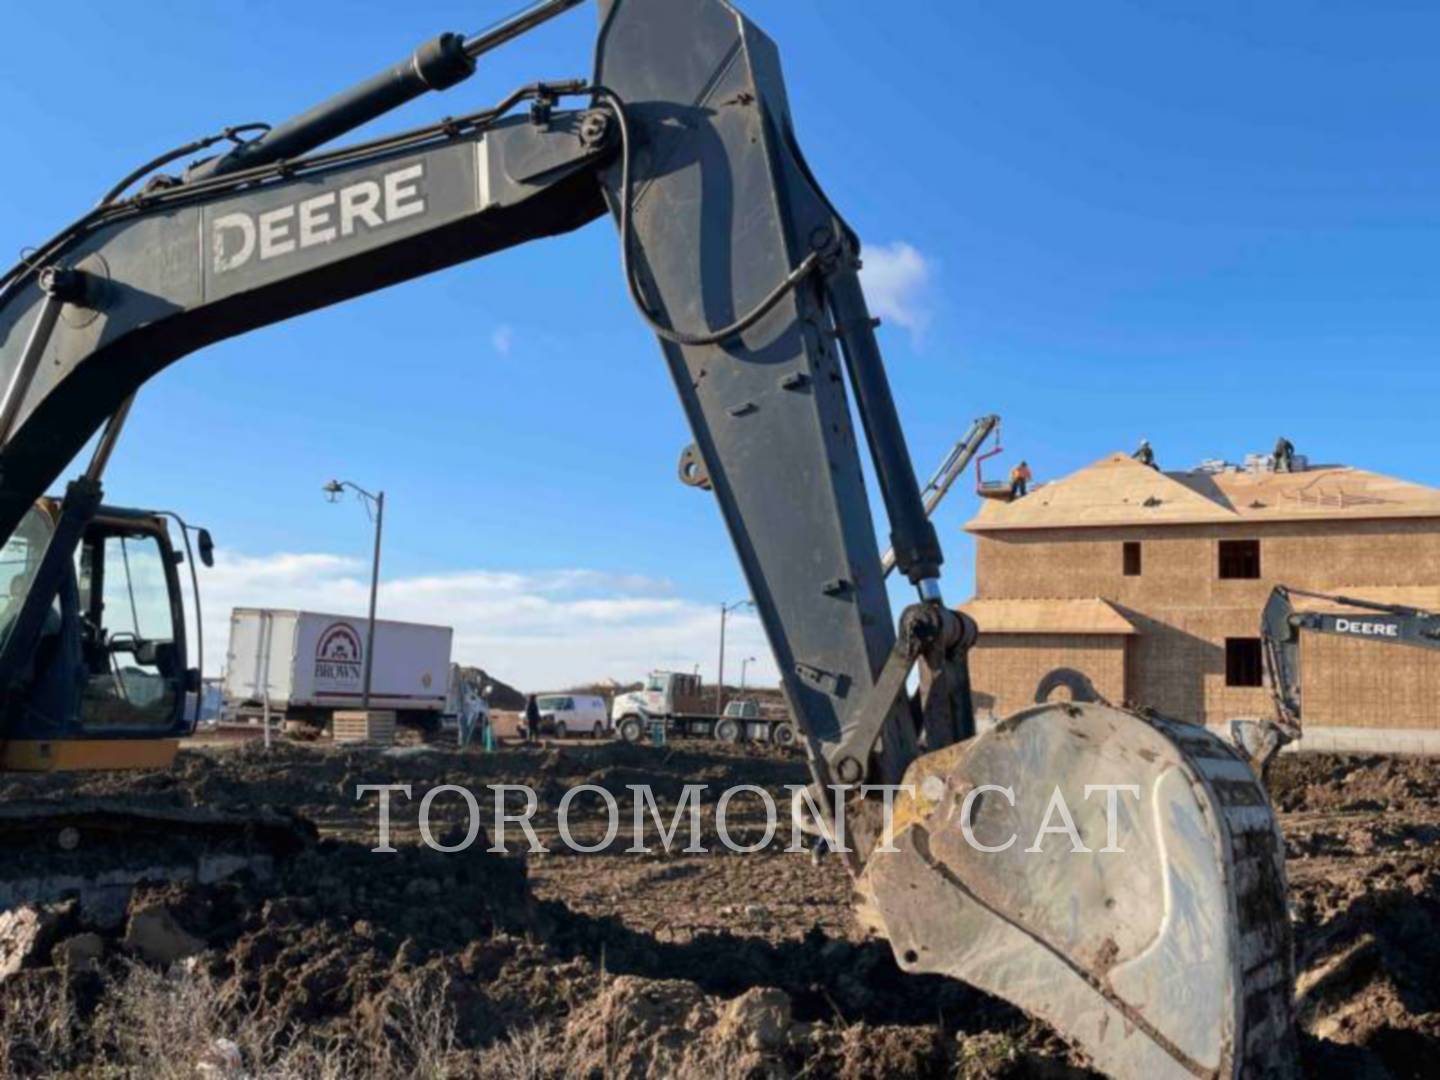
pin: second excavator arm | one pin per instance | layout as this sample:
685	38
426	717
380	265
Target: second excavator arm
1281	626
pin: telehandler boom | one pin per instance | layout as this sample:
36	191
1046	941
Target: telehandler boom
1154	936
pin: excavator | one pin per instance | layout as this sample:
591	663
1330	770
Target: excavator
1280	631
1152	936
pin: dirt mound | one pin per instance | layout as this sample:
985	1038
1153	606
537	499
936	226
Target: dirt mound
1327	782
637	1028
348	962
1368	952
502	694
1363	843
340	943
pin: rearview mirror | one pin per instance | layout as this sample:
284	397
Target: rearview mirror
207	548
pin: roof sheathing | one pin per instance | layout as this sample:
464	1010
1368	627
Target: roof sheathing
1045	615
1119	491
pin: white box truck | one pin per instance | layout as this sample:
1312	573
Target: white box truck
306	665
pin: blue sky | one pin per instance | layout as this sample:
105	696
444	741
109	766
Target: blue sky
1206	223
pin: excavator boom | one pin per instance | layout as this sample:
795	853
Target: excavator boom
749	278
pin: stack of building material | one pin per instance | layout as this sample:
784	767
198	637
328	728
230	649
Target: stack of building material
371	727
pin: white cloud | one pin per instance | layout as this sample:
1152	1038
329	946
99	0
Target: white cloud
543	630
503	339
897	284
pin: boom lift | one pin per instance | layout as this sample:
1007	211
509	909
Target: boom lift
991	489
944	477
1170	960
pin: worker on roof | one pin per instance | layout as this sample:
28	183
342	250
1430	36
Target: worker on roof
1284	455
1019	480
1144	455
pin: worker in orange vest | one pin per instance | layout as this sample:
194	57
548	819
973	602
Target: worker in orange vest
1019	480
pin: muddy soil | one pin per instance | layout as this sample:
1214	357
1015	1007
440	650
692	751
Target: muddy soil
627	964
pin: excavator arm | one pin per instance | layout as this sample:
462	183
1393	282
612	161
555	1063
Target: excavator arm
1281	626
1171	960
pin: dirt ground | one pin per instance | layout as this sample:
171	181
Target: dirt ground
346	962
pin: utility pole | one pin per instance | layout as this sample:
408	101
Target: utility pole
334	489
743	665
725	610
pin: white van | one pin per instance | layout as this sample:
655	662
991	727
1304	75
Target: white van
573	714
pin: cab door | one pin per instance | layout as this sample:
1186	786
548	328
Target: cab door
133	632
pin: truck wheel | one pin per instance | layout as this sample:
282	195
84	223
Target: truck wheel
559	729
631	729
728	730
599	730
783	734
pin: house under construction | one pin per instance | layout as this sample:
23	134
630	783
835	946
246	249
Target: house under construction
1149	586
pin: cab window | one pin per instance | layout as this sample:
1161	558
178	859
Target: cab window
19	559
130	641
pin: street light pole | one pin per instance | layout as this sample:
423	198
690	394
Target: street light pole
334	489
743	665
725	610
374	590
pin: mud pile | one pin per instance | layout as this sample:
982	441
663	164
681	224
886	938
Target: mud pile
346	962
324	948
420	957
1363	847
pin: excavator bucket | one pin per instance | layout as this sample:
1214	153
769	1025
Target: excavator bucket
1122	878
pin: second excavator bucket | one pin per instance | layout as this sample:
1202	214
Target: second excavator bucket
1120	877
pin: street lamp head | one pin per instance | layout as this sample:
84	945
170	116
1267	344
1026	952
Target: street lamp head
333	490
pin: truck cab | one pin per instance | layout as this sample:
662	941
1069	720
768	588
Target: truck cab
108	682
467	704
665	694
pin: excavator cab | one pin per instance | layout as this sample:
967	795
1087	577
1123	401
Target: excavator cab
107	682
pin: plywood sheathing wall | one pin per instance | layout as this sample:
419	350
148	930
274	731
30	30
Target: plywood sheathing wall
1183	613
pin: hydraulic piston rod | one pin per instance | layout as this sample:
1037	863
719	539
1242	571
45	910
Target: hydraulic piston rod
521	22
436	65
912	537
60	286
